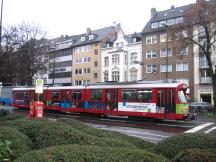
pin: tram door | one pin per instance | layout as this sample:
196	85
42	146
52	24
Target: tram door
111	100
65	99
166	101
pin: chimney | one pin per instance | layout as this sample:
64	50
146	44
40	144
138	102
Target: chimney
153	12
172	7
88	31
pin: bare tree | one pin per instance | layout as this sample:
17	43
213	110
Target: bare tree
23	55
200	24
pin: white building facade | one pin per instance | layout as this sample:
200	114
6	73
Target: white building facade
119	58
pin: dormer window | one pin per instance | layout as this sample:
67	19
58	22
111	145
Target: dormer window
82	39
91	37
134	40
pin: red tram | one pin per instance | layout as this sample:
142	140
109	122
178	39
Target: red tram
157	100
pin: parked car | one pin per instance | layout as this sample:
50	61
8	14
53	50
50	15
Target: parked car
197	108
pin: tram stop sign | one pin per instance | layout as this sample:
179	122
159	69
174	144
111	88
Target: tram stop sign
39	86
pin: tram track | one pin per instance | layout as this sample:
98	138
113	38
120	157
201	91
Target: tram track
109	121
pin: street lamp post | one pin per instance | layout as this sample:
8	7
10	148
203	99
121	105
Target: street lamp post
1	24
165	25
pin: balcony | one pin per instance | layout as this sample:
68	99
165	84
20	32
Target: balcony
205	80
203	64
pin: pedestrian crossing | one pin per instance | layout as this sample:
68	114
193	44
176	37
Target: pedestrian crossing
208	127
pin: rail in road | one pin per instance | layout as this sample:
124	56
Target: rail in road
148	130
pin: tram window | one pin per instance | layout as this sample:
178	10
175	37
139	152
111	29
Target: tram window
96	94
128	95
76	95
22	95
41	97
144	95
54	95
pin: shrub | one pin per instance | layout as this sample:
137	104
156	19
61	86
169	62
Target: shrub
113	136
5	150
64	134
10	117
30	127
20	143
4	112
201	155
89	153
171	146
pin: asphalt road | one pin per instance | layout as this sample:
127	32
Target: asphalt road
157	131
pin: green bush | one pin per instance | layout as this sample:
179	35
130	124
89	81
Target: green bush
81	153
4	112
199	155
5	150
10	117
115	136
171	146
30	127
65	134
20	143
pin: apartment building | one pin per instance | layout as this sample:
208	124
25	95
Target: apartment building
120	57
60	60
163	53
87	55
173	60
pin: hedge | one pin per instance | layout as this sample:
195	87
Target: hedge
106	134
199	155
20	143
79	153
171	146
10	117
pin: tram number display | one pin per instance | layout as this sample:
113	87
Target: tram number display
137	107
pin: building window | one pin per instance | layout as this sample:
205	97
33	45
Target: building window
163	37
133	57
115	76
181	34
78	71
82	39
95	63
86	71
134	40
78	82
83	48
95	75
183	51
133	75
106	61
95	52
170	21
179	20
86	82
106	75
151	54
154	25
78	60
163	68
163	52
86	59
182	66
151	39
91	37
150	68
162	23
115	59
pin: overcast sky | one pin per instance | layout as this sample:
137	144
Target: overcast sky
70	17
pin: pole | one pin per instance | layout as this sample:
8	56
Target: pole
167	27
53	72
1	23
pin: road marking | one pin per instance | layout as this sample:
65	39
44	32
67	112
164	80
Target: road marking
196	129
119	130
208	131
175	125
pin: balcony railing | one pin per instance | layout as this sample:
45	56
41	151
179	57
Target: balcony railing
205	80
